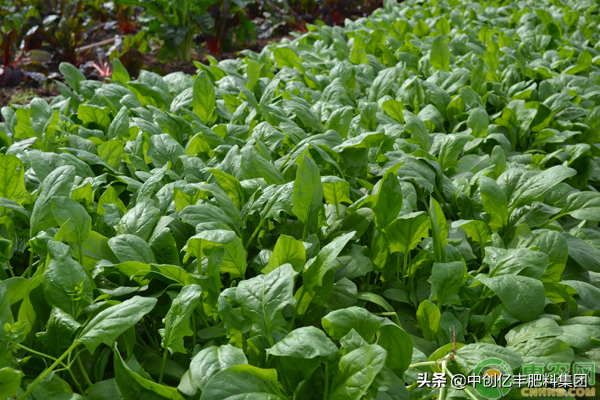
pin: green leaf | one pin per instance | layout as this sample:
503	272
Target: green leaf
234	260
417	129
287	250
177	320
479	122
307	343
58	183
210	361
583	205
544	351
120	73
66	284
469	356
339	323
12	179
316	269
336	190
394	109
440	55
60	329
359	52
131	248
134	386
140	220
428	316
398	345
79	223
538	184
389	201
204	101
407	231
523	297
10	381
72	75
494	203
263	298
356	371
95	115
109	324
446	280
243	382
308	193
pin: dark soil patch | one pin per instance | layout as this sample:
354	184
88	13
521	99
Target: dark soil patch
25	92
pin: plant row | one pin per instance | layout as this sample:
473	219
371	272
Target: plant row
413	193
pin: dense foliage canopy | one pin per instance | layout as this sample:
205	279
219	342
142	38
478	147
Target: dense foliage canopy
310	221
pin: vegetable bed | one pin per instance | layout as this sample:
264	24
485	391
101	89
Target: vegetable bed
323	220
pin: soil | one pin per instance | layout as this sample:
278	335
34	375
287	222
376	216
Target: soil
24	92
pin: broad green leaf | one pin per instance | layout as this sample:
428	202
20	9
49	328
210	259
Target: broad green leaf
79	223
336	190
584	206
131	248
494	203
339	323
177	320
109	324
308	193
72	75
544	351
359	53
307	342
407	231
140	220
58	183
398	345
389	201
263	298
469	356
428	316
538	184
417	129
287	250
66	284
208	362
243	382
440	55
134	386
10	381
356	371
523	296
204	102
234	260
446	280
12	179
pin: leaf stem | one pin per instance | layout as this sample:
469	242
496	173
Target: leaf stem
194	329
86	377
47	371
10	269
80	253
291	326
423	364
325	392
27	349
398	271
28	272
254	234
162	366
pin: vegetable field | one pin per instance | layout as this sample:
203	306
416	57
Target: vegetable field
414	192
